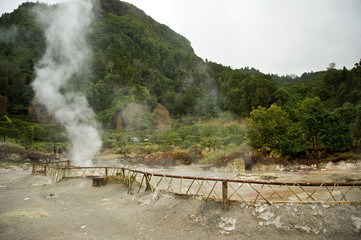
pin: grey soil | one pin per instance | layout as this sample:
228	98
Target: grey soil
31	208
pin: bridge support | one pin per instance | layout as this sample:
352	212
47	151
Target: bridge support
98	181
147	181
225	195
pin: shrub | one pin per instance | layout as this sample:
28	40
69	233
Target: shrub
214	157
344	156
11	148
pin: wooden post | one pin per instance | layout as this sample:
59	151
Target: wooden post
225	194
147	182
106	171
68	163
45	166
33	172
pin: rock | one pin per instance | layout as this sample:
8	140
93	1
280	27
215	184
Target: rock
356	221
194	218
260	208
227	225
143	202
148	199
304	228
155	196
266	216
26	166
276	222
51	195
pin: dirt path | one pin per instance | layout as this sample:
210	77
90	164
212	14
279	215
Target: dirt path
31	208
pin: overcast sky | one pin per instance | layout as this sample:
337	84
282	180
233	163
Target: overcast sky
274	36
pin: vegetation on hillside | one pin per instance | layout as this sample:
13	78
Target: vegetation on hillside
144	81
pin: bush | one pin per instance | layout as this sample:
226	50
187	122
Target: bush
51	132
26	131
214	157
266	127
11	148
11	133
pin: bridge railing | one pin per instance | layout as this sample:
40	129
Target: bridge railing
222	190
41	167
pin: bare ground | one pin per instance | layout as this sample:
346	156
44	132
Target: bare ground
31	208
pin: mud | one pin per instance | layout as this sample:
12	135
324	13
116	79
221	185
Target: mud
32	208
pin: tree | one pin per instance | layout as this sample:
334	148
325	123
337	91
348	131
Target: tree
331	66
336	132
311	114
266	126
3	104
293	142
272	131
8	129
26	131
356	127
261	91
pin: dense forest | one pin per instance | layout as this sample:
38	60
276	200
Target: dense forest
139	63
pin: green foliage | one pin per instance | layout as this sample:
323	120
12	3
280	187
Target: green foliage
11	148
7	119
311	115
356	127
315	128
326	129
11	133
215	157
139	62
205	136
26	131
218	156
293	142
272	130
8	128
344	156
337	135
241	92
52	133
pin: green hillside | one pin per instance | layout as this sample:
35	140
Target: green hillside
138	60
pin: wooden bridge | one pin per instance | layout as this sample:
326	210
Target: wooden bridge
222	190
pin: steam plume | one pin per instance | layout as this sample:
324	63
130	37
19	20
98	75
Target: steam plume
65	30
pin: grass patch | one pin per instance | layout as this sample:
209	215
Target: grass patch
343	157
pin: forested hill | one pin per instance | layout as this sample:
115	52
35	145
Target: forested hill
136	59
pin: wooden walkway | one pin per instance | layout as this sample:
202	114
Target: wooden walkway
222	190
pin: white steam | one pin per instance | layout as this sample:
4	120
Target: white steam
66	53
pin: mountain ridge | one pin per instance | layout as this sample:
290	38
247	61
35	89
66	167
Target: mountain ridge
136	59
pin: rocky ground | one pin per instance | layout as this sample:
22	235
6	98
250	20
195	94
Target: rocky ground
32	208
